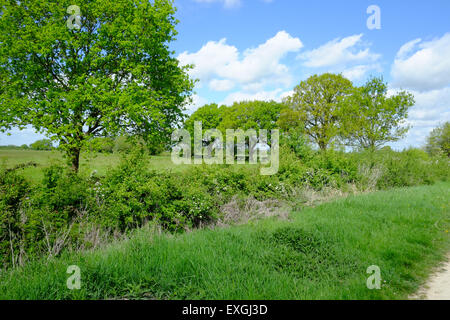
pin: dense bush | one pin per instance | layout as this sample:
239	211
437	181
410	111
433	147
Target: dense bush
123	144
44	144
41	219
66	211
131	195
13	191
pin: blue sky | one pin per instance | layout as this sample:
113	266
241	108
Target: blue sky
260	49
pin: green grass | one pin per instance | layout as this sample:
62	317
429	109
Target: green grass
320	253
89	162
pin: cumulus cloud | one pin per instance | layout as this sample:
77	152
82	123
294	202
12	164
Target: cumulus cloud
431	109
209	59
221	85
423	65
254	67
431	105
338	52
349	55
360	71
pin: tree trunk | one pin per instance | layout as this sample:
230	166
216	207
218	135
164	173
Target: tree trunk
322	145
74	155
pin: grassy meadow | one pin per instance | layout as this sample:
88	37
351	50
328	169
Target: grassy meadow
89	161
297	192
317	253
142	228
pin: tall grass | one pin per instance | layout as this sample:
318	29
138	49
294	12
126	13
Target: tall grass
319	253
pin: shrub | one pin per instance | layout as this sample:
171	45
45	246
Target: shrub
103	145
44	144
122	144
13	190
132	195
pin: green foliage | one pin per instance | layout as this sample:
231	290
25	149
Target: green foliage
113	76
57	213
131	195
14	147
210	115
14	189
319	103
251	115
409	168
44	144
101	144
122	144
438	141
319	253
37	220
371	118
295	139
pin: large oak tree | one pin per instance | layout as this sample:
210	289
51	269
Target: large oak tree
113	75
373	117
319	102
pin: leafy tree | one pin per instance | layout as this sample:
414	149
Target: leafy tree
114	75
372	119
318	101
210	115
289	119
44	144
438	140
101	144
252	115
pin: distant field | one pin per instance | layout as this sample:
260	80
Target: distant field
89	162
319	253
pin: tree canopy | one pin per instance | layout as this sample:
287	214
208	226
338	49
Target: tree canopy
372	118
319	102
438	141
251	115
113	75
210	115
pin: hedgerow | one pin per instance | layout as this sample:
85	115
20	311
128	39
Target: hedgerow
68	211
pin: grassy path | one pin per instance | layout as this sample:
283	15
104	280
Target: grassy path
320	253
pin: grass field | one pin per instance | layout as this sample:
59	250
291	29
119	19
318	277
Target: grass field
89	162
319	253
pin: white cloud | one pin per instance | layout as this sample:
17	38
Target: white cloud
254	67
422	65
349	55
197	102
221	85
431	109
287	94
226	3
360	71
209	59
431	105
338	52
